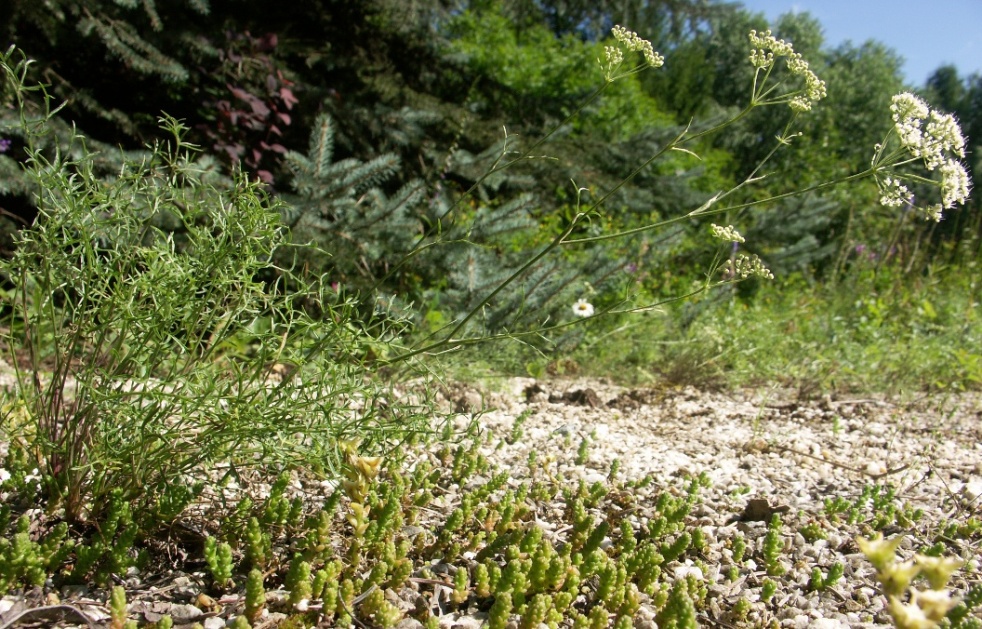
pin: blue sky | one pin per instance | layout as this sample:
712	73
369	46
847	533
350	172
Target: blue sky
925	33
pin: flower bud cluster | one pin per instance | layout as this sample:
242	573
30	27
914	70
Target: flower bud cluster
614	55
634	43
727	234
937	140
765	49
744	266
894	193
814	86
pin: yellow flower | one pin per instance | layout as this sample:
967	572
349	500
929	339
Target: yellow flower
937	570
909	616
880	552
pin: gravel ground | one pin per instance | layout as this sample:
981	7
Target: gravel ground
764	451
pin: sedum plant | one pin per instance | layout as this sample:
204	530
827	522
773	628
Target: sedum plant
24	561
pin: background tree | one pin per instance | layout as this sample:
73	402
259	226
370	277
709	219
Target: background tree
434	86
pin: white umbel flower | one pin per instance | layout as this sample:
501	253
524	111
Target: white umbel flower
936	140
726	234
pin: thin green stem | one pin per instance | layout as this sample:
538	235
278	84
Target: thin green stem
704	209
461	343
448	338
497	167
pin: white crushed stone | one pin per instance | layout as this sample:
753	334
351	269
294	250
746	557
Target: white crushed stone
768	445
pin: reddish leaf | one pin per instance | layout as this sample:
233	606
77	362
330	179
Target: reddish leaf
265	176
240	93
277	148
286	95
284	117
268	41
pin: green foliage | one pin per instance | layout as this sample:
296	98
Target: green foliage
24	561
255	596
257	544
679	612
171	335
531	67
875	329
818	581
812	531
537	76
961	615
343	203
500	610
739	547
583	451
672	551
117	607
110	550
767	590
773	547
218	556
298	580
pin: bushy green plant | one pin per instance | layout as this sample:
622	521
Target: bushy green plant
152	353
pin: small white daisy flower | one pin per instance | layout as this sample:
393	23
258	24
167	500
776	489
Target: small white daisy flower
583	308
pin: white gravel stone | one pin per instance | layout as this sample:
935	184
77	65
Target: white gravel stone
214	622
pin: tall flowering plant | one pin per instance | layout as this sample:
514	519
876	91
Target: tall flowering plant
923	149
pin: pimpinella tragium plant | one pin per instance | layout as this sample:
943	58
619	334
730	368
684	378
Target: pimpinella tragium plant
782	78
142	357
478	277
923	148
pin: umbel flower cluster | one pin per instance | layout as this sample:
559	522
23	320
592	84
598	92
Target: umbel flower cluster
726	234
744	266
632	42
933	138
766	49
